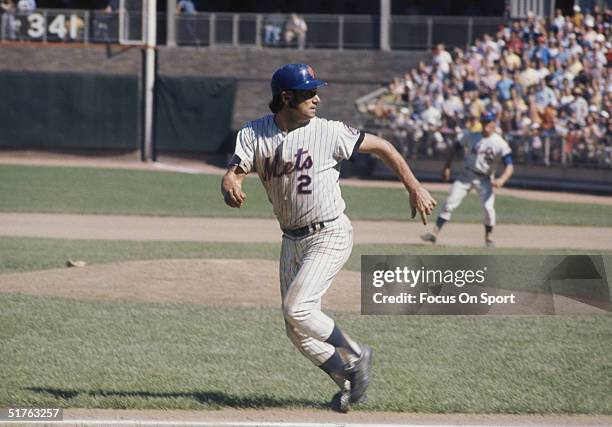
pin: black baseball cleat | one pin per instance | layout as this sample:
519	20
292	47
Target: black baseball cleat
359	375
429	237
341	400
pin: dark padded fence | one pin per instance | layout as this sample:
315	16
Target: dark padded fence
92	111
68	110
194	114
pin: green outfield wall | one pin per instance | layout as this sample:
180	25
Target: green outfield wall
193	114
58	110
68	110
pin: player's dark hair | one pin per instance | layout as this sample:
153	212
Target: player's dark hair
299	96
276	104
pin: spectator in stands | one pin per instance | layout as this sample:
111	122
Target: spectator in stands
272	29
104	22
475	105
452	106
491	78
442	59
112	6
547	79
504	86
295	29
529	76
186	13
26	6
579	107
431	116
548	117
578	16
558	22
185	6
540	51
545	96
9	23
511	59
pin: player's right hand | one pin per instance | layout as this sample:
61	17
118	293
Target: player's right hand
234	198
446	174
232	191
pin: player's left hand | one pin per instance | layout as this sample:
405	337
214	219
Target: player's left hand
497	183
422	201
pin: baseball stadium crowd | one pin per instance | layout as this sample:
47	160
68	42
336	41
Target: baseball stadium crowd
548	81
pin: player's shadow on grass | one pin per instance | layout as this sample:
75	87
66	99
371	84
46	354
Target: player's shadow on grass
206	398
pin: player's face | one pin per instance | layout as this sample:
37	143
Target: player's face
488	128
305	103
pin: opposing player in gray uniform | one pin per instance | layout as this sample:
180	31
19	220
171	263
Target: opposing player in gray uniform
482	153
297	157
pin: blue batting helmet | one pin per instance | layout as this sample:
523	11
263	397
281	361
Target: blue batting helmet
294	77
488	116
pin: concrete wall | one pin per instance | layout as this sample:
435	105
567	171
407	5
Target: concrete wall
65	57
350	74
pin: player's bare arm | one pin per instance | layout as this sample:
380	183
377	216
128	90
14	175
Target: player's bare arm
420	199
504	177
231	187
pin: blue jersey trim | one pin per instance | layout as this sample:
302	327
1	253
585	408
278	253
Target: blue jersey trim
358	143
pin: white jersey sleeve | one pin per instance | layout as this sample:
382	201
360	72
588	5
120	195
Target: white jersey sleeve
347	140
244	153
505	148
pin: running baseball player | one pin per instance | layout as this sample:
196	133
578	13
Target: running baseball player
482	153
297	157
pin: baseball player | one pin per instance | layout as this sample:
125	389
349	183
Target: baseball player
297	157
482	153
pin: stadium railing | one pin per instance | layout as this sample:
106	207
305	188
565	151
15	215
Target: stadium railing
248	29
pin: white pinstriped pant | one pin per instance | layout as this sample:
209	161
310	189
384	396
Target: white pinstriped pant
464	183
307	268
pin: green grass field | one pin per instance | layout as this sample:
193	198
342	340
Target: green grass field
71	353
110	191
68	353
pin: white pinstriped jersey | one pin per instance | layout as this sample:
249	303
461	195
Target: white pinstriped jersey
299	169
482	154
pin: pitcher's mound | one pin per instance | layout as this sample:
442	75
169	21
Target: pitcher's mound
213	282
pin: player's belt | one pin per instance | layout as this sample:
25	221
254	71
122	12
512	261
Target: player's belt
475	172
306	230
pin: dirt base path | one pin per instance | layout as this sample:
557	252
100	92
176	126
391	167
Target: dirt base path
243	230
326	418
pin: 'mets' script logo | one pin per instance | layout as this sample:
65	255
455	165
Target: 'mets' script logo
276	167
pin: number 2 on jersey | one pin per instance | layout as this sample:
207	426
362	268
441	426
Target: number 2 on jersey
304	182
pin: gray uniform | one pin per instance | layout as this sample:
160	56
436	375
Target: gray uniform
481	158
